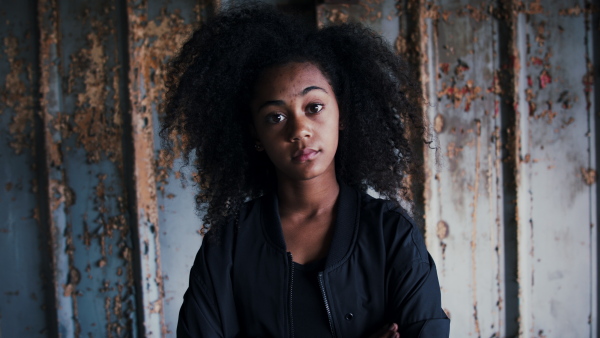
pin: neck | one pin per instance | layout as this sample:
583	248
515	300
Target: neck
309	197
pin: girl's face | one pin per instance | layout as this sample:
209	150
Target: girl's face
296	120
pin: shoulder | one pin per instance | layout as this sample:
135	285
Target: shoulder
386	213
400	233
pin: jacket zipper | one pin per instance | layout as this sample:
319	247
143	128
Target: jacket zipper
291	263
322	285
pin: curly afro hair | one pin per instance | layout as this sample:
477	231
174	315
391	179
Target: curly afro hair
211	81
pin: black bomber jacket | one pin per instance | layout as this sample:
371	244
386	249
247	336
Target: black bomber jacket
377	272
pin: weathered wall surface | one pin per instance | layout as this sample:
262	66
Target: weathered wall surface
84	182
97	226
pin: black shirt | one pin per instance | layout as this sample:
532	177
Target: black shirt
308	301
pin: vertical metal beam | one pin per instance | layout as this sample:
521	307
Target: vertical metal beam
93	279
51	106
556	181
157	29
463	209
508	81
152	293
22	235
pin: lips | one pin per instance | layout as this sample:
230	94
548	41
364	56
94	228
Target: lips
304	155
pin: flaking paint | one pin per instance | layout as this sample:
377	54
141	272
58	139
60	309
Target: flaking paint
84	128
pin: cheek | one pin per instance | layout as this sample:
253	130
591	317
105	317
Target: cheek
334	130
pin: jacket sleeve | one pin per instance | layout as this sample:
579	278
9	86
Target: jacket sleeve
208	308
412	284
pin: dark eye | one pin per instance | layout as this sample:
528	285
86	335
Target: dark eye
314	108
275	118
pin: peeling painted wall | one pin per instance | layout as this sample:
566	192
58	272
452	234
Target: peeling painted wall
510	200
22	238
84	180
511	213
98	230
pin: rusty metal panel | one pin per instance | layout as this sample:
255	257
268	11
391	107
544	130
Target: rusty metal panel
557	172
22	245
91	237
168	226
463	204
379	15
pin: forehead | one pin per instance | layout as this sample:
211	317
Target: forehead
289	79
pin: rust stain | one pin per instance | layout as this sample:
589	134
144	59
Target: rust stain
456	92
536	61
535	7
438	123
107	312
369	11
497	165
460	68
442	230
445	67
453	150
48	44
112	226
401	45
60	194
496	88
589	175
575	11
96	124
432	11
540	38
337	15
18	97
530	98
164	163
545	79
153	42
588	78
474	225
565	100
548	114
476	13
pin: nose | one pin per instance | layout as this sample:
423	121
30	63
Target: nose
299	128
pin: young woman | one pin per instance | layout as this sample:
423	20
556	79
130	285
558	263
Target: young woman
289	126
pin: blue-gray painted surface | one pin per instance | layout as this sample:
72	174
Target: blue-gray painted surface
22	244
91	237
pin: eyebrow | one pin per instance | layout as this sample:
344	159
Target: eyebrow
281	103
308	89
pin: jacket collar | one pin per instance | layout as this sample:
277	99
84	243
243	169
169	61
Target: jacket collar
345	228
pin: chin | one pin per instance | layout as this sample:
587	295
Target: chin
305	171
308	175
